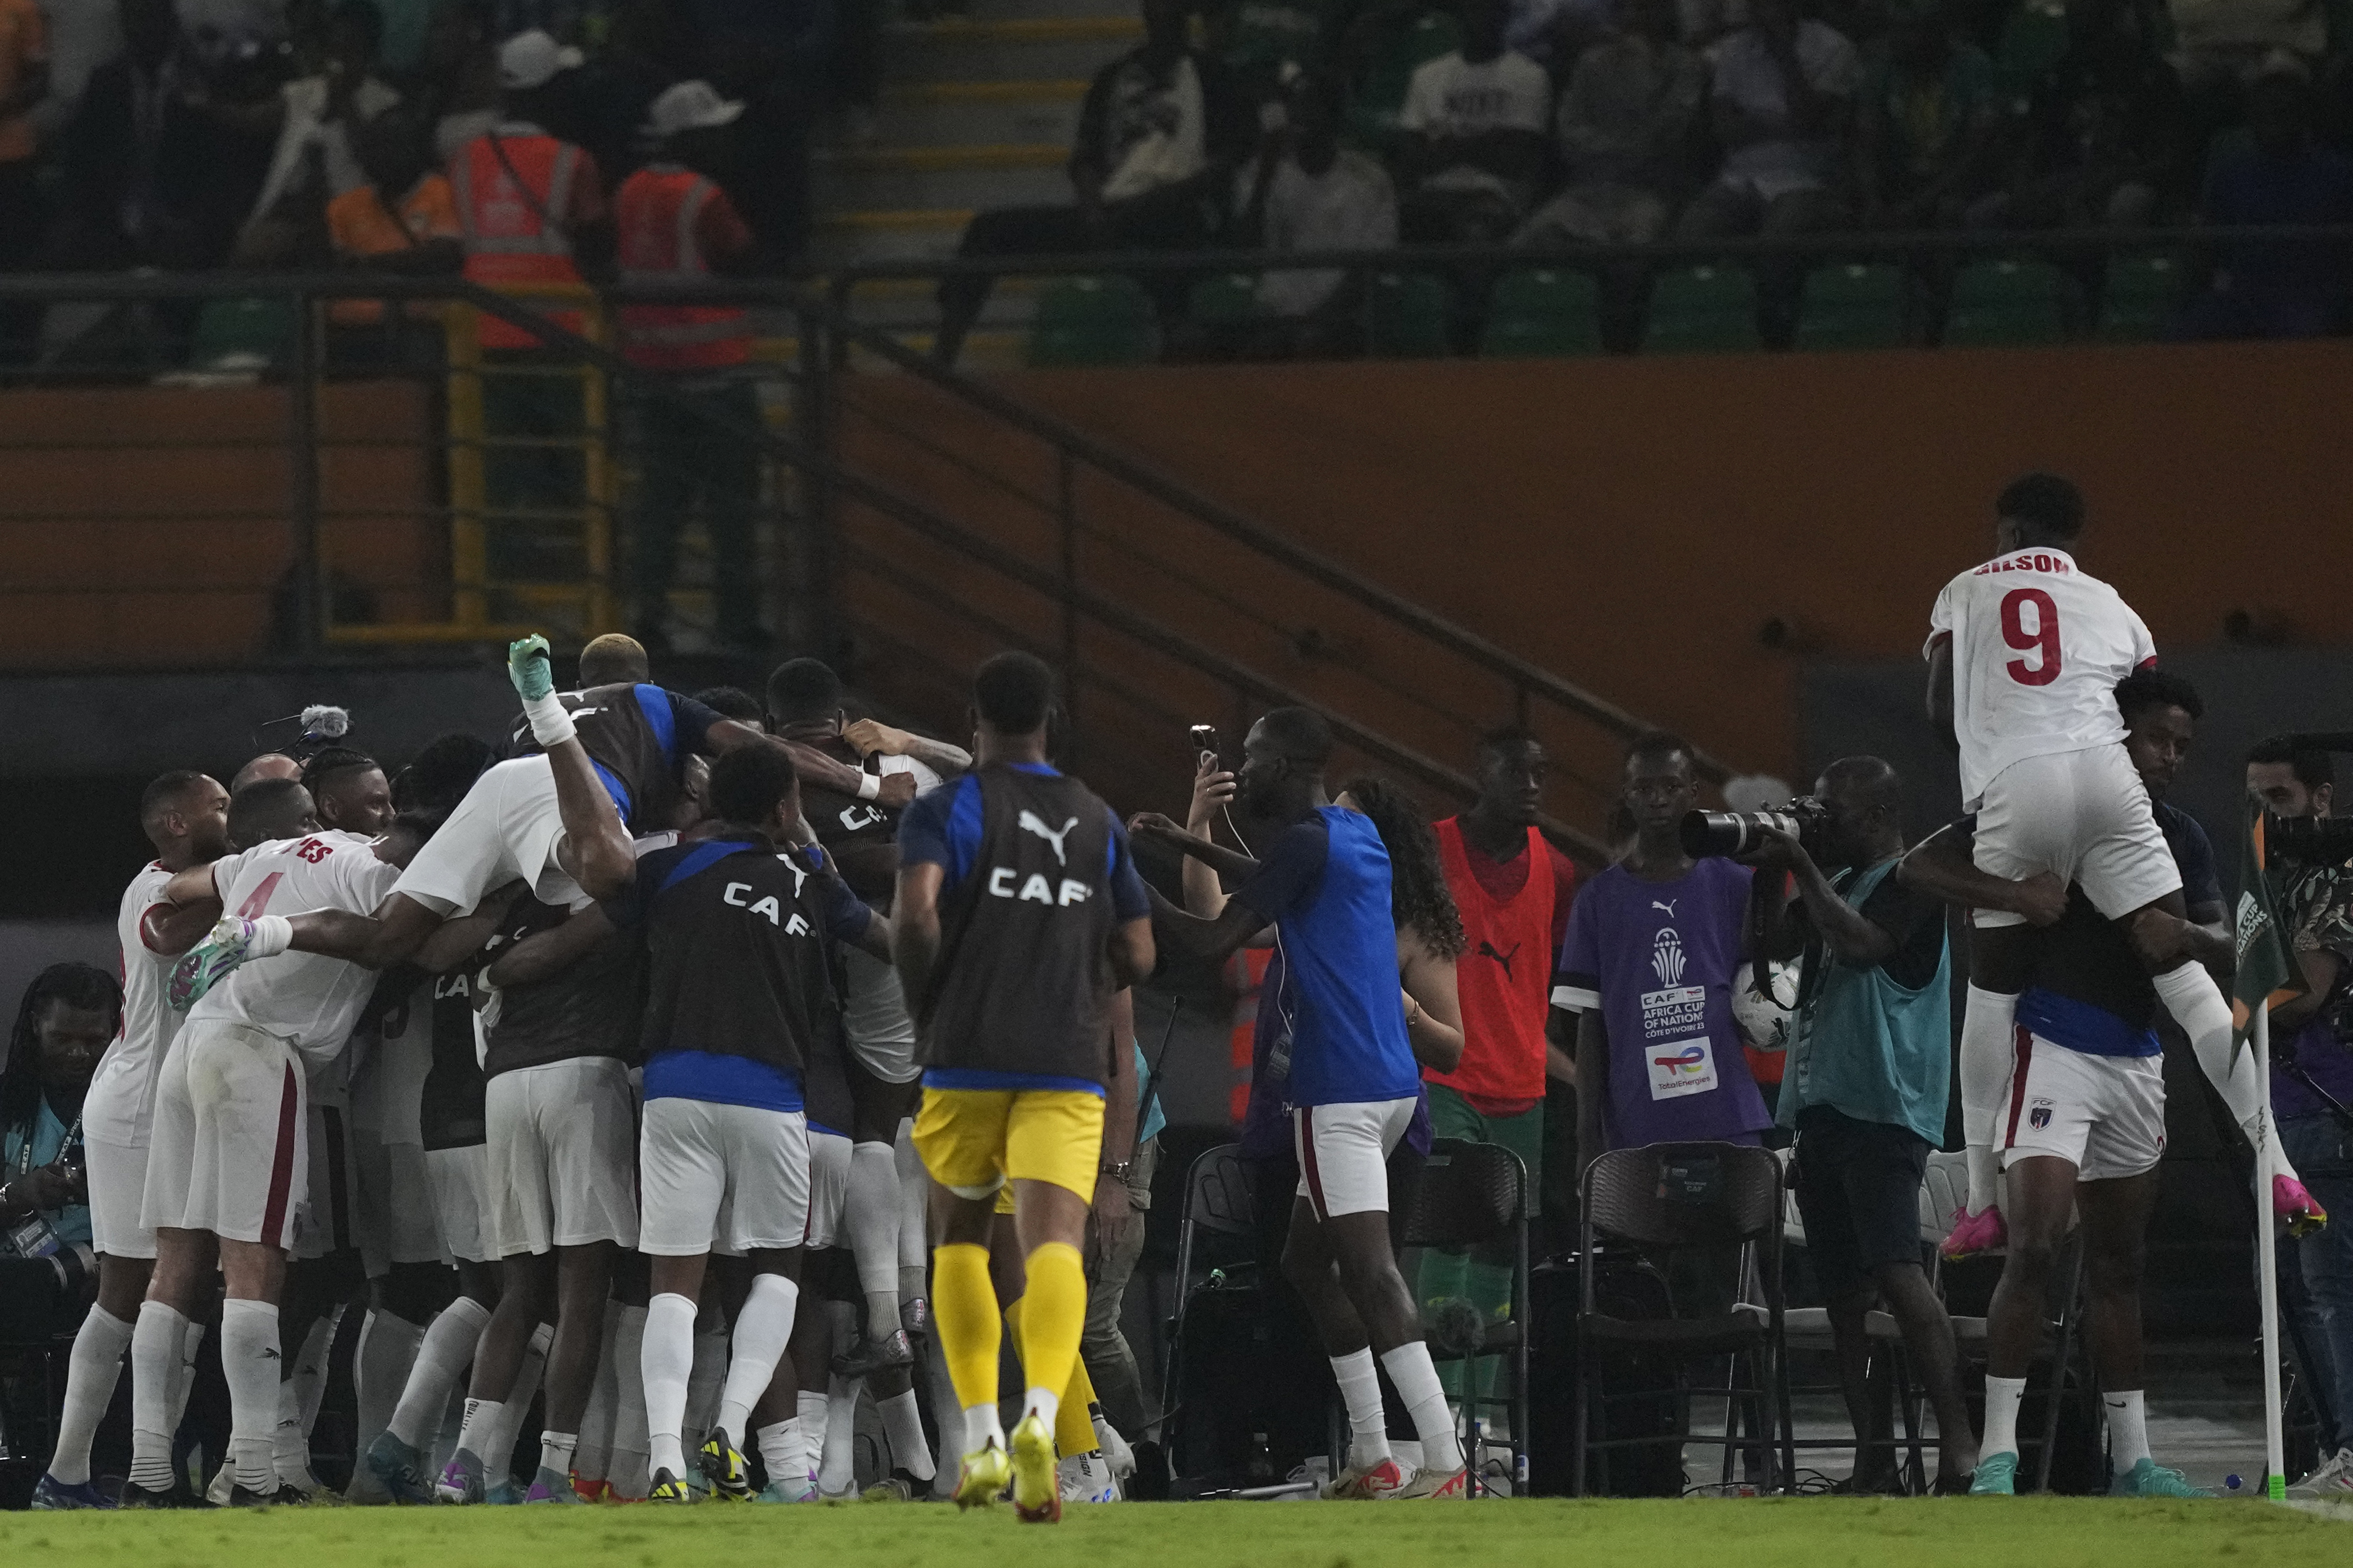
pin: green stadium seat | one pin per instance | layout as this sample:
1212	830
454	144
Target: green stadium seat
1406	316
1703	310
1092	321
2009	302
1227	299
1542	311
242	334
2140	297
1853	306
1377	97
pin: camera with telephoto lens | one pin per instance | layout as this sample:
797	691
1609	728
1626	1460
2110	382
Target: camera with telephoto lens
2295	841
32	1238
1737	833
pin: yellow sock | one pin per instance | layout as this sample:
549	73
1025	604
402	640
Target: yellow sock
963	1306
1074	1427
1053	1315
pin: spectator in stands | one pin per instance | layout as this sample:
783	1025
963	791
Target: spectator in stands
459	83
678	226
23	83
2221	47
1264	43
1160	133
2280	289
68	1014
318	113
1869	1056
2105	131
1782	102
1470	152
1306	191
2316	911
403	219
1624	133
651	45
1929	109
777	57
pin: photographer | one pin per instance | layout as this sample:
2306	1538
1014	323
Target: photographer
1870	1059
69	1015
2314	1068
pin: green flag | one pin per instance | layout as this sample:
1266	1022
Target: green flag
2264	973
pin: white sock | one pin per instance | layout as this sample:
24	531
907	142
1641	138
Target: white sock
473	1433
443	1354
1360	1388
870	1208
310	1369
2127	1427
903	1423
762	1329
387	1354
982	1427
706	1382
441	1445
1045	1404
1988	1050
810	1409
297	1404
1416	1377
183	1379
251	1362
914	1199
2003	1396
90	1376
2196	1003
666	1362
594	1455
626	1469
837	1468
784	1450
155	1341
290	1449
556	1451
506	1419
947	1432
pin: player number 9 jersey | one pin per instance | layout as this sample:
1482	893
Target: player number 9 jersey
2038	647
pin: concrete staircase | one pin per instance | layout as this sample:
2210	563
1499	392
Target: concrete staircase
975	112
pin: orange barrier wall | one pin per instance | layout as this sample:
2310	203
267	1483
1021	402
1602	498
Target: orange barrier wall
1632	524
148	525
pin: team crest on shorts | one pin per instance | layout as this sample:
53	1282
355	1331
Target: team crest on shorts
2040	1117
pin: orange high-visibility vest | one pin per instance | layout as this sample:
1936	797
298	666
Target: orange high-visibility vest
657	210
508	240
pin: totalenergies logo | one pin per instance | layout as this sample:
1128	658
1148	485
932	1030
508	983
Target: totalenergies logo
1692	1059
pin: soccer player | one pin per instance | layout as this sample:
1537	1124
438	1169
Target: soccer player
560	1018
736	926
185	818
1018	912
598	763
225	1163
805	705
2084	1122
1325	884
2024	655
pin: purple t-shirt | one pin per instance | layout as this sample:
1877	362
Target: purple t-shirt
1657	960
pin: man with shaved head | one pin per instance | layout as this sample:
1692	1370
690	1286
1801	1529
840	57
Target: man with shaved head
268	765
1870	1058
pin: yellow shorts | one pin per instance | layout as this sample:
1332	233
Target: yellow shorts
973	1141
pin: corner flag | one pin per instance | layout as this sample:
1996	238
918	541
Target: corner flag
2263	975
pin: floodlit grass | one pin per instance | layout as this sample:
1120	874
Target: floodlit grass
2038	1533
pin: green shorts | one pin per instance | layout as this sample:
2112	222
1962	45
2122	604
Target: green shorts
1451	1116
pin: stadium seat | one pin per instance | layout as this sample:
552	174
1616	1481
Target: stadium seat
2009	302
1475	1196
1703	310
1406	316
241	334
2139	297
1229	299
1540	311
1092	321
1852	307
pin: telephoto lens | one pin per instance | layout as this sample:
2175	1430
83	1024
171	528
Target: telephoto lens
1731	833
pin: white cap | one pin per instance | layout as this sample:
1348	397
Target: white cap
690	106
533	60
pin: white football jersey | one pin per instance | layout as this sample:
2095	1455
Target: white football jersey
387	1082
2038	647
120	1104
307	999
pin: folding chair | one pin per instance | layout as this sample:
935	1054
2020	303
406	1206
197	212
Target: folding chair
1216	1231
1680	1196
1477	1194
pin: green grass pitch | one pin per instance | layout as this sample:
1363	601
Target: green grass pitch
2032	1532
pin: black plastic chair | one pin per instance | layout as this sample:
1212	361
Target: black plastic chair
1476	1195
1669	1197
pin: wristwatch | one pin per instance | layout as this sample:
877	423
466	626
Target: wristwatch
1119	1168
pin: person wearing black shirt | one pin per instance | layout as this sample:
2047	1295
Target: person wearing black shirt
1869	1061
737	934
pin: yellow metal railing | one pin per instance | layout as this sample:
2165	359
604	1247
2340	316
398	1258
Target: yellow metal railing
484	605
